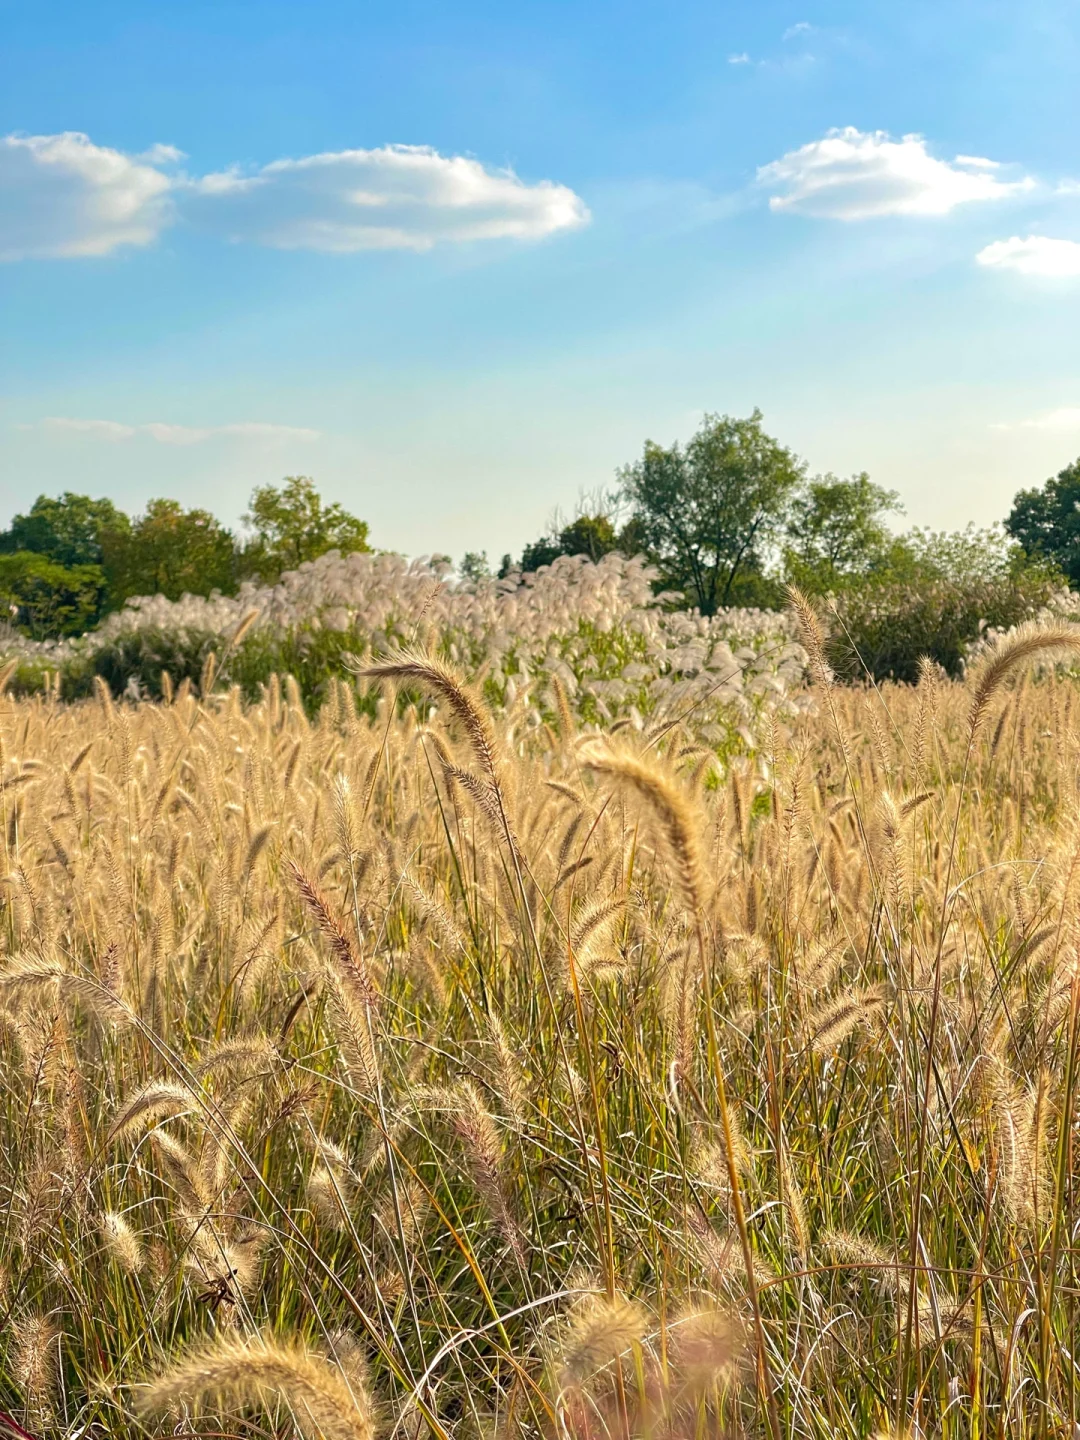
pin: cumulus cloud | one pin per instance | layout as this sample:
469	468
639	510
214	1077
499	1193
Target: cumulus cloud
166	434
62	195
1033	255
859	175
397	197
1066	418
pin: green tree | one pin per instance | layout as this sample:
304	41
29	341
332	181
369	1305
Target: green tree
169	551
708	514
66	528
588	534
474	566
47	601
292	525
1046	521
836	532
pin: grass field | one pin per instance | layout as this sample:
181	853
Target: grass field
434	1074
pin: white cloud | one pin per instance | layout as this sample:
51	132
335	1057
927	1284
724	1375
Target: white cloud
741	59
398	197
100	429
859	175
166	434
1065	419
801	27
1033	255
161	155
61	195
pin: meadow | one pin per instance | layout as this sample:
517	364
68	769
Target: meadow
461	1058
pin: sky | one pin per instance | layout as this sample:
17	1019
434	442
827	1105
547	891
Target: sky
458	261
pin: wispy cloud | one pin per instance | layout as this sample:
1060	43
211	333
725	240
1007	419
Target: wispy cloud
1033	255
63	196
165	434
742	58
1064	419
801	27
859	175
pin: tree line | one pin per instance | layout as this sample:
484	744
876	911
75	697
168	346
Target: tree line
731	517
70	560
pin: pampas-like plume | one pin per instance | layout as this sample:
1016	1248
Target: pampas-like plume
511	1088
484	1155
435	675
679	824
159	1099
813	637
1010	651
121	1242
833	1022
35	1366
263	1371
602	1329
244	1055
350	966
706	1344
25	975
438	917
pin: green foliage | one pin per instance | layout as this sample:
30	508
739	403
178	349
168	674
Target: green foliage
292	525
1046	521
46	600
67	529
593	535
134	660
836	534
169	551
933	595
474	566
708	514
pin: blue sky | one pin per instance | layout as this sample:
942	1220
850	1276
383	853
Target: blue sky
219	264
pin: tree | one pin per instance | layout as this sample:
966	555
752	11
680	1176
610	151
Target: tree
474	566
169	551
292	525
836	532
709	514
67	528
1046	521
48	601
593	535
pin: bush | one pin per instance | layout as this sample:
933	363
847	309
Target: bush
935	597
133	661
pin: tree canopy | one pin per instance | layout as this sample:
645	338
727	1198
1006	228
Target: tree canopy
709	513
291	525
836	532
46	600
1046	521
169	551
67	528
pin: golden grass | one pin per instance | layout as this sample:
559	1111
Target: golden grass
417	1078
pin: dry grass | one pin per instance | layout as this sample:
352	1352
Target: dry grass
421	1078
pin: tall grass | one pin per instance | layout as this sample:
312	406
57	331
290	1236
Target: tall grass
434	1073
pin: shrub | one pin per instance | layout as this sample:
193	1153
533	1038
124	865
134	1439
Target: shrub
934	597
